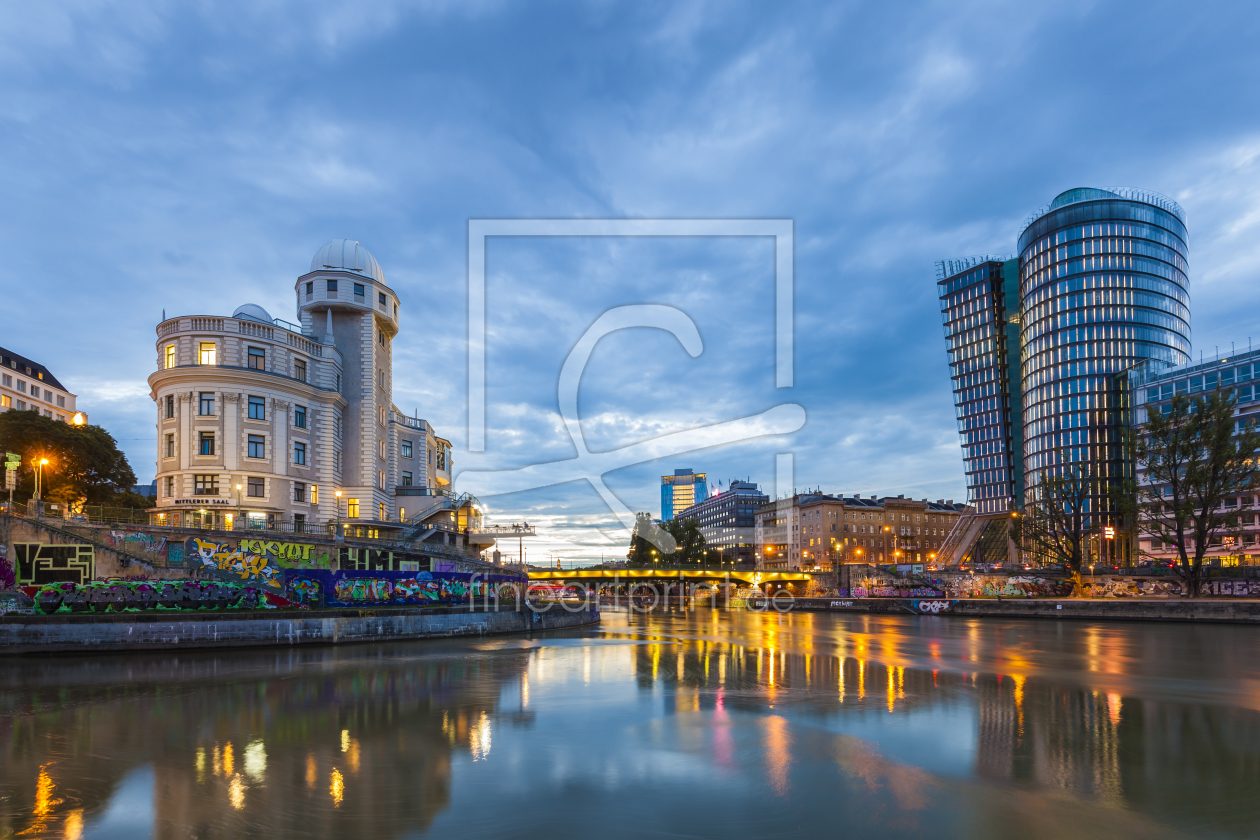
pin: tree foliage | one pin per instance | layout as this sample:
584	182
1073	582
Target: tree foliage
1056	525
84	465
1190	460
675	542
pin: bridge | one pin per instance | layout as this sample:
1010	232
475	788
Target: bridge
647	575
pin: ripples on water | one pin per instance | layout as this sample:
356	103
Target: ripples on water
700	724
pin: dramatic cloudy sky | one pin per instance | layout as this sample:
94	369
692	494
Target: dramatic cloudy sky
191	156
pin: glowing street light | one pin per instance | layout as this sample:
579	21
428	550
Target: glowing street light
39	477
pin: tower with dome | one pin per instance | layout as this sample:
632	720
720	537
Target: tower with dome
263	423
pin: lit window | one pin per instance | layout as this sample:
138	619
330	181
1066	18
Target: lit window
254	487
381	515
207	353
352	508
170	356
207	443
6	401
299	416
257	408
257	446
299	453
314	494
257	358
206	406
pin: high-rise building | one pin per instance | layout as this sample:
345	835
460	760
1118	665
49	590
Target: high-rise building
980	311
726	520
1036	342
680	491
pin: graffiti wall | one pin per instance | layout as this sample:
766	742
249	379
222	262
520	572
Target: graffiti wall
356	588
1002	586
40	563
137	540
138	596
234	563
383	560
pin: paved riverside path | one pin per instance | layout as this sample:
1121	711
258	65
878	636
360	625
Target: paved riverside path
69	633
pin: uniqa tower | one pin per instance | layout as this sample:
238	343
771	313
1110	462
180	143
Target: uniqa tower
1098	285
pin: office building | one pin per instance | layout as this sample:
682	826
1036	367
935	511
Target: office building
727	520
26	385
1102	287
1151	388
680	491
268	419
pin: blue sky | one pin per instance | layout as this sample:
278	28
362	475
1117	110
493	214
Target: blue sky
193	156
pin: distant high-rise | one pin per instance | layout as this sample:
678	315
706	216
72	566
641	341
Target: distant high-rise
682	490
1036	342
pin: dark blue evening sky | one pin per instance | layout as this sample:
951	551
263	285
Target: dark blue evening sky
193	156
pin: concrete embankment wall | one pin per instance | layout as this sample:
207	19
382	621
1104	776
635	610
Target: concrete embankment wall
165	631
1131	609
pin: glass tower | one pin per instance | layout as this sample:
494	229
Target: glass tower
682	490
980	311
1103	286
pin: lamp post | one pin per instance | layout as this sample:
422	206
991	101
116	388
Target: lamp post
238	506
39	478
337	532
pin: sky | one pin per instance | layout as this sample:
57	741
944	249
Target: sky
188	157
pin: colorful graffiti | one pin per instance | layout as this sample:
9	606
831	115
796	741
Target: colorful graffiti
8	575
225	561
1232	588
40	563
1001	586
289	555
138	596
892	592
356	588
137	540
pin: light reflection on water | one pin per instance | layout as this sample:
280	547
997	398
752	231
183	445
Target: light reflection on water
704	724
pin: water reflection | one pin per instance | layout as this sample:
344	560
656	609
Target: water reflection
728	724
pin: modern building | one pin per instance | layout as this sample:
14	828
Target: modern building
1152	387
680	491
818	531
293	423
980	311
727	520
1102	287
26	385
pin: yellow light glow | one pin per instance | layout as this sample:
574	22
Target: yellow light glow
337	788
78	419
43	461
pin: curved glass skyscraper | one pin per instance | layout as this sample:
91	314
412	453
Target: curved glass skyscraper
1102	286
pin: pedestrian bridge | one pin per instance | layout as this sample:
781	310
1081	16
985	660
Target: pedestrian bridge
646	575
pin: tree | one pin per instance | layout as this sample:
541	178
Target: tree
84	466
1191	458
675	542
1057	523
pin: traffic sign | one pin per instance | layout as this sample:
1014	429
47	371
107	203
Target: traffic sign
13	457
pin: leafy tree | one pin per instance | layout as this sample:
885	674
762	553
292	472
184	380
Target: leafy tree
84	466
1056	525
675	542
1189	461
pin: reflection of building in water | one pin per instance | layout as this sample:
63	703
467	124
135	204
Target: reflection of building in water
324	744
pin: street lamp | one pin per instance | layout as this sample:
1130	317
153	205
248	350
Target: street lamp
238	506
337	532
39	478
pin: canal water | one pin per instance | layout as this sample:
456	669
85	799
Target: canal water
700	724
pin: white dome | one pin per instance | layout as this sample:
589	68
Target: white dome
347	255
254	312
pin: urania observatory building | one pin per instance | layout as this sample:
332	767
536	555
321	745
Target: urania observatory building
1036	341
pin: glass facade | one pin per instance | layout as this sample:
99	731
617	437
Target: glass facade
682	490
979	309
1103	286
